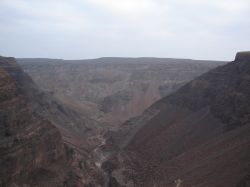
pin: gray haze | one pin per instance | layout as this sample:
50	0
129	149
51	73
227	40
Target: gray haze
77	29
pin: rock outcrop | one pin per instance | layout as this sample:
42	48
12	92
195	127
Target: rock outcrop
243	56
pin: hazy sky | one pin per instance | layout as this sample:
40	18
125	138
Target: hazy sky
73	29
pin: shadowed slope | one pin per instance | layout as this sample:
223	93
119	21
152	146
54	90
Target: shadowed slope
198	136
32	150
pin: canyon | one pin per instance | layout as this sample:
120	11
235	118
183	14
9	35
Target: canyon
125	122
112	90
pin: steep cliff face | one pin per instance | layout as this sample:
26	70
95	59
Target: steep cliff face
32	150
114	89
197	136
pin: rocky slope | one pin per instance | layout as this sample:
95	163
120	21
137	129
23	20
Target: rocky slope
37	147
198	136
113	89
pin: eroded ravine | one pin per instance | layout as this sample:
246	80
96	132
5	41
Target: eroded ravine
100	156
